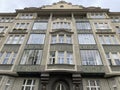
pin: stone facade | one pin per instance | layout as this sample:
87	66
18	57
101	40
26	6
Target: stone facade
60	47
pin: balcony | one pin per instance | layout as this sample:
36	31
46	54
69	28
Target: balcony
61	66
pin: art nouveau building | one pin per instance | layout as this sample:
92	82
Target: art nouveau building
60	47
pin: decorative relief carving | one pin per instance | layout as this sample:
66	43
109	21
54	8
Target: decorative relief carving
88	46
92	69
28	68
34	46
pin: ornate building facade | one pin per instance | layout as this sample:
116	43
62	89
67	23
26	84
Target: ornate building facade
60	47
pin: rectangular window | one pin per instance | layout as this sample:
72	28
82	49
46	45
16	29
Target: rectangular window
40	25
6	19
36	39
93	85
114	86
15	39
8	57
9	84
108	58
113	58
3	28
101	25
61	57
86	39
69	58
31	57
90	57
52	57
97	15
83	25
28	84
21	26
61	25
115	19
108	39
26	16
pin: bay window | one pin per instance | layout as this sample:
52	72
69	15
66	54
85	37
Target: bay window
108	39
61	38
61	57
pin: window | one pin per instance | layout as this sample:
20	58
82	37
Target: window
32	57
86	39
118	29
61	25
60	86
21	26
15	39
8	84
26	16
62	38
28	84
113	58
3	28
7	57
62	58
90	57
36	39
40	25
93	85
83	25
115	19
114	86
102	25
97	15
108	58
6	19
108	39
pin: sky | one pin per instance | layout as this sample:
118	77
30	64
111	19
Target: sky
11	5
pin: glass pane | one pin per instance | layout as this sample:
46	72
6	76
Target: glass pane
40	26
36	39
29	82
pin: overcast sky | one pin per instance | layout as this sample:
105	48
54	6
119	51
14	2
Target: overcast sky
11	5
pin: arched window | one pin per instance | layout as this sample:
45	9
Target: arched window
60	86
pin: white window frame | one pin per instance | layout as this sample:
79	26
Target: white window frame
64	39
10	59
60	57
32	85
89	87
11	39
108	39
